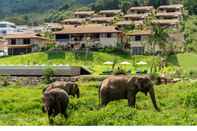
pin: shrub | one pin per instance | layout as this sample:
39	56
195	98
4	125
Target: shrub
48	73
4	80
191	99
119	72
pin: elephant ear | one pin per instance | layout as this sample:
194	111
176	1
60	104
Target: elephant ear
134	83
146	84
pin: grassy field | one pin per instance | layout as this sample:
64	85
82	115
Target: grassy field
22	106
188	61
93	63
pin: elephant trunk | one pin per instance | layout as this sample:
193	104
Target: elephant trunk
152	95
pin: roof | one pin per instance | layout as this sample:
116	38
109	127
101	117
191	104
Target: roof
110	11
74	20
54	25
102	19
90	28
24	35
166	22
38	70
177	6
129	23
7	23
169	14
84	12
144	8
140	32
142	16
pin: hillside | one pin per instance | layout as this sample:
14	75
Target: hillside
39	11
22	11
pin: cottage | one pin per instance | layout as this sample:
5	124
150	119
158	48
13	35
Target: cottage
6	28
3	47
138	40
110	13
169	15
124	24
53	26
74	21
141	10
91	35
22	43
102	20
84	14
135	17
167	23
171	8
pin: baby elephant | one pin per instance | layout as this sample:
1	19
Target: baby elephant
55	102
70	87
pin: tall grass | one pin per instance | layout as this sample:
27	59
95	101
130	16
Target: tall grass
22	106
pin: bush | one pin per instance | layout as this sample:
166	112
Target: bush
193	73
119	72
4	80
48	73
191	99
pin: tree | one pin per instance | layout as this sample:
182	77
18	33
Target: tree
157	3
191	6
159	37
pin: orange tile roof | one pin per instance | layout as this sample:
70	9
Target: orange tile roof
178	6
129	23
110	11
146	8
84	12
140	32
74	20
24	36
91	28
100	19
166	22
169	14
136	16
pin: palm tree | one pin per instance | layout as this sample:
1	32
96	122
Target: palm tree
160	39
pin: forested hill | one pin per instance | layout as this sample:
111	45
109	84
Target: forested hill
38	11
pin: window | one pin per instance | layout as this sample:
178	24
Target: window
13	41
26	41
138	38
109	35
3	25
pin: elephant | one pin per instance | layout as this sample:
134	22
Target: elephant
125	87
70	87
55	102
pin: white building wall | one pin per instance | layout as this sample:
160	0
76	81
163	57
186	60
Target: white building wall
109	41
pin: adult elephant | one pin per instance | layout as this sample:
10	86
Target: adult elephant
71	88
124	87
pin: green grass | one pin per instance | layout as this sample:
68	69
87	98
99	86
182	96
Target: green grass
94	64
188	61
22	106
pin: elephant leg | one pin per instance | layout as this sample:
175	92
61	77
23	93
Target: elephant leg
50	117
43	109
78	93
132	101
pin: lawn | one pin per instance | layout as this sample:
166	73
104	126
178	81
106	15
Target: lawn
94	62
22	106
188	61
